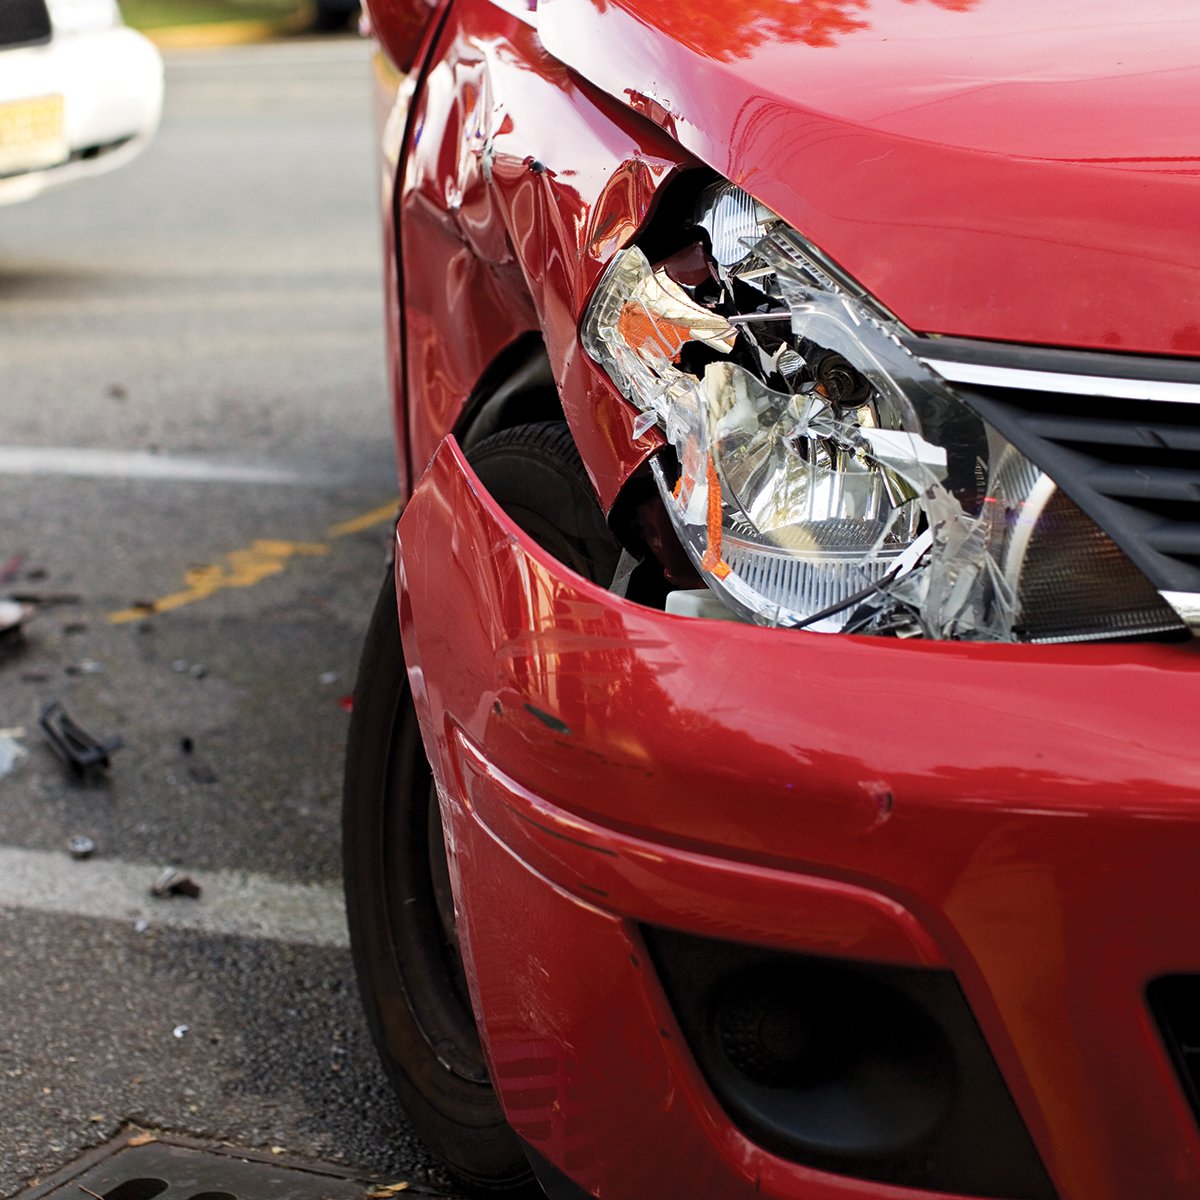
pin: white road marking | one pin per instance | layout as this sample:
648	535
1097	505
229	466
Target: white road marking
273	296
232	902
123	464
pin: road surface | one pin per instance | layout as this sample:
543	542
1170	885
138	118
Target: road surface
194	414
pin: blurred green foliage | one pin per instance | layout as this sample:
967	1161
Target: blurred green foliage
162	14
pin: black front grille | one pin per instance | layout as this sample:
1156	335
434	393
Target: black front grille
1175	1002
23	22
1132	465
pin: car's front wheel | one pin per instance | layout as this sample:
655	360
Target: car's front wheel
398	898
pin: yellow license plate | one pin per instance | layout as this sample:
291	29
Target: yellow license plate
32	134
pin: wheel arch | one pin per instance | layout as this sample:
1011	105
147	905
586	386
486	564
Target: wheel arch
517	388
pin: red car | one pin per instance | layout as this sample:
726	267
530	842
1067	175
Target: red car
774	765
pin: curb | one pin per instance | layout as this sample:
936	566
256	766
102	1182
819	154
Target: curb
231	33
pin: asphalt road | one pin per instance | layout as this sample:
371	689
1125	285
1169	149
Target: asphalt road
192	406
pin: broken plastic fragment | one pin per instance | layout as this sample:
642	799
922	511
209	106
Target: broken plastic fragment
642	422
172	882
81	847
85	666
11	750
13	615
80	750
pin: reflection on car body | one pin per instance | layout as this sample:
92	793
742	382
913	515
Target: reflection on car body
871	327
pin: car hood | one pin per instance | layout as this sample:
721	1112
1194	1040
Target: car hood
1024	170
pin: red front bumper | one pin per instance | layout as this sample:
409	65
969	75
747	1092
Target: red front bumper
1028	817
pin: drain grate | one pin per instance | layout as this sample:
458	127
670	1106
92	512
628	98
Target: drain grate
167	1171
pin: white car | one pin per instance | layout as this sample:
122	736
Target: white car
79	93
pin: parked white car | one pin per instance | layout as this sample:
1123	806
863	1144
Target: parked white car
80	93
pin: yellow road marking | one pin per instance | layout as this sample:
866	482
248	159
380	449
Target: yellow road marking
250	565
377	516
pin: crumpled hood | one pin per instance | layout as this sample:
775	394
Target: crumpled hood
1024	170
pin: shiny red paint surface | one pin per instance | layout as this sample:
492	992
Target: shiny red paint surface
519	186
401	26
1021	170
1042	833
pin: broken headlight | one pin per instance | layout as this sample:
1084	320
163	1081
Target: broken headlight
824	476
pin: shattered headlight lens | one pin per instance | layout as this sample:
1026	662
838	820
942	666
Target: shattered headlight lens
826	477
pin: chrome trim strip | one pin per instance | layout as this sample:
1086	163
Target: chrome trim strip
1075	385
1187	605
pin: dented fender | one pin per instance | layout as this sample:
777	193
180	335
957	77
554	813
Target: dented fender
521	184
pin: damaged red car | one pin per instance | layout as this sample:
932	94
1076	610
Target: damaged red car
774	761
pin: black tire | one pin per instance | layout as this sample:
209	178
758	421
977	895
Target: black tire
398	900
536	475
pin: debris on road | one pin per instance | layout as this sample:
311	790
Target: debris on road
11	750
11	567
85	666
80	750
172	882
13	616
181	1031
81	847
200	772
386	1191
45	598
328	677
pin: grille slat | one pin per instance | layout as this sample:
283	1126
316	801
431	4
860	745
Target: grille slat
1147	481
1176	538
1127	463
23	22
1089	431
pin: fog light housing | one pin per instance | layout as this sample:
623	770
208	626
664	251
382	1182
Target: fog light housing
866	1070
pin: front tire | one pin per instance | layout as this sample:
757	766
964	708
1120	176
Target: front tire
401	929
398	900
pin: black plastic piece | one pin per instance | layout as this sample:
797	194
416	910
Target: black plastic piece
861	1069
80	750
1175	1002
551	1180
